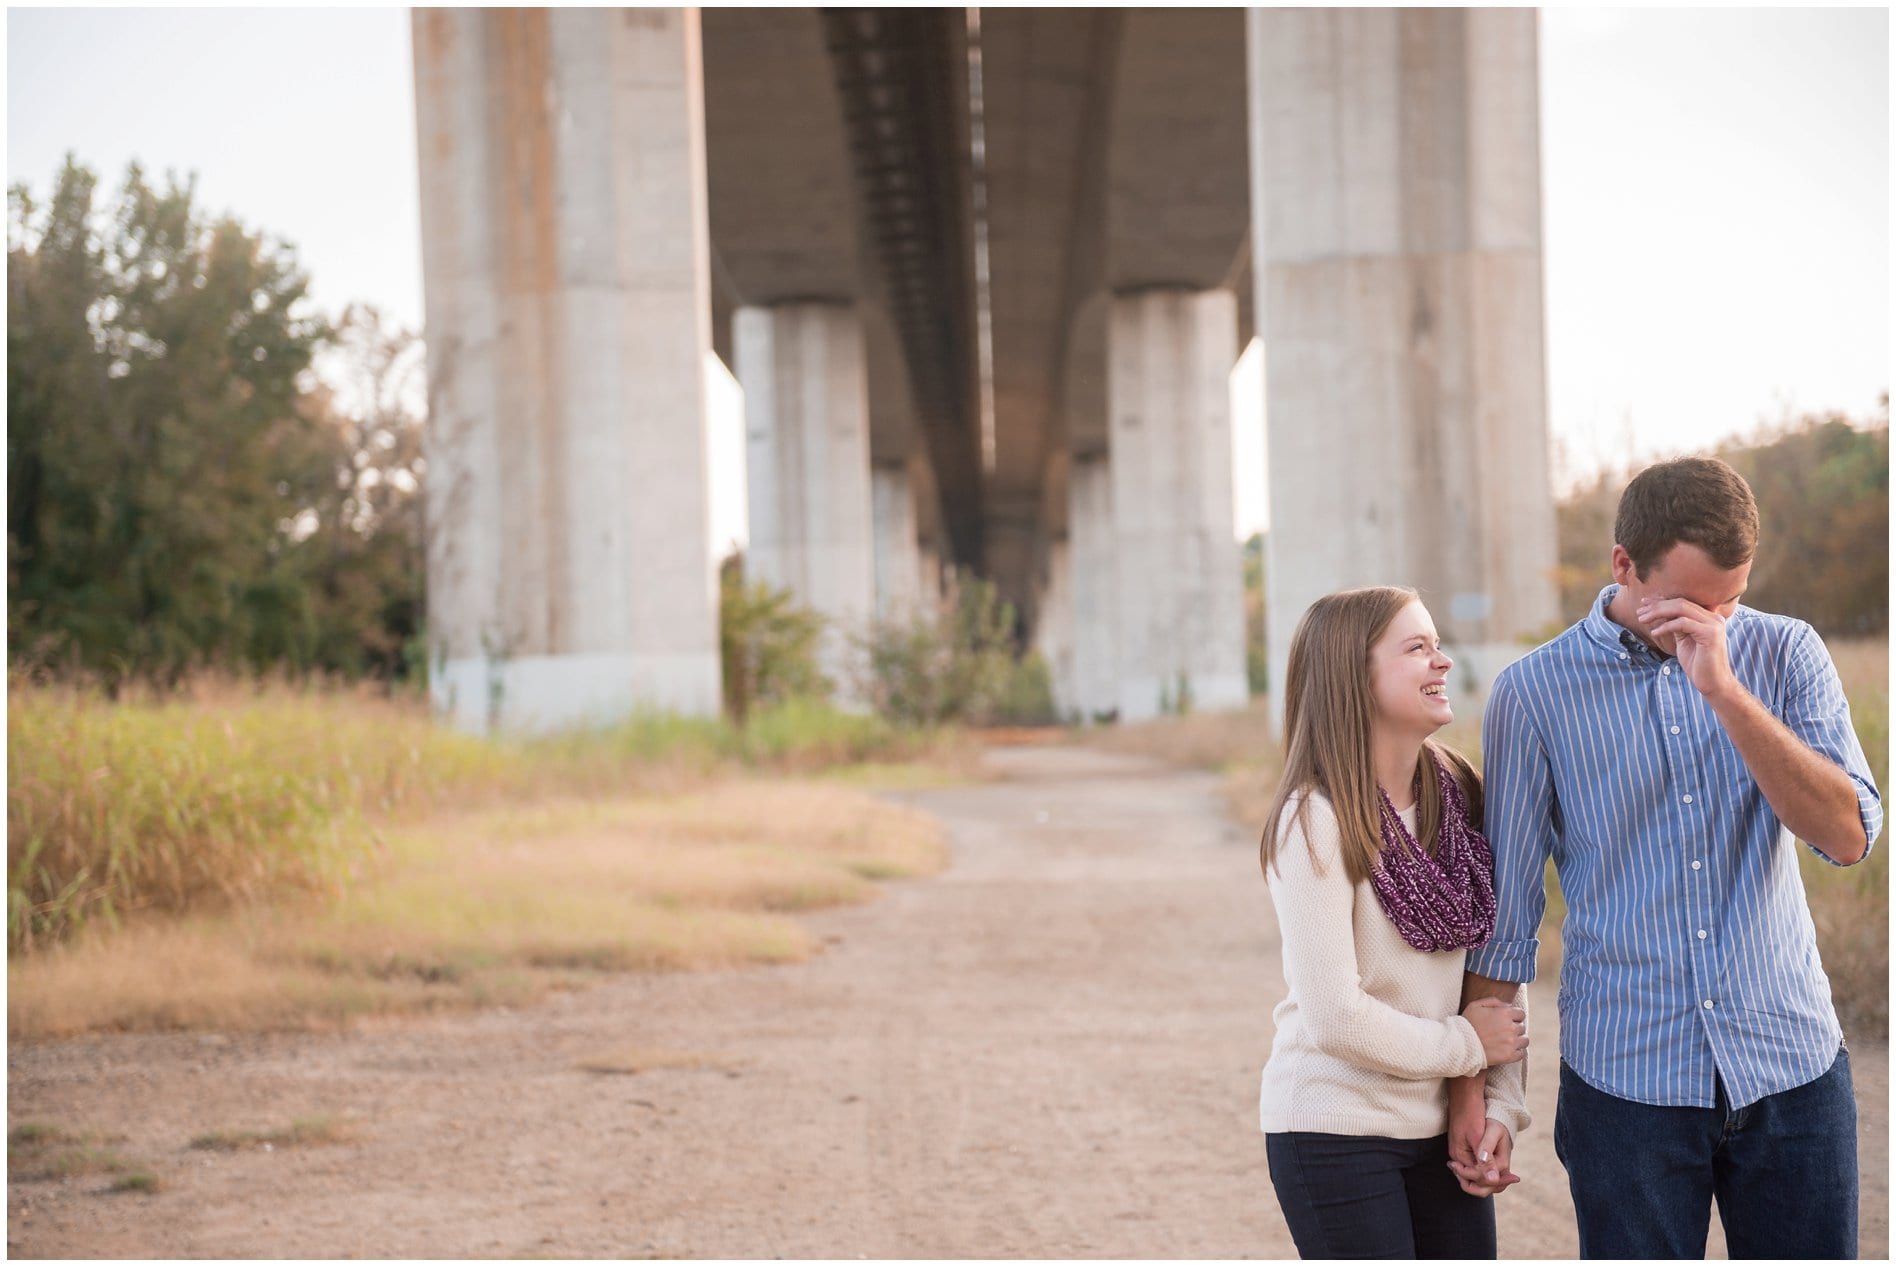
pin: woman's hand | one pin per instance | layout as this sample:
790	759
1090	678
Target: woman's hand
1502	1029
1494	1158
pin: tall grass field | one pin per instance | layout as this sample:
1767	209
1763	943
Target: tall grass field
317	852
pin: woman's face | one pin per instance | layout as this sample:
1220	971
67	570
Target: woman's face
1408	675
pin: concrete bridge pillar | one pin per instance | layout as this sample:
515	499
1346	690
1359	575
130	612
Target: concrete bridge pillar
1053	630
1092	569
897	545
1180	583
806	412
1396	222
566	268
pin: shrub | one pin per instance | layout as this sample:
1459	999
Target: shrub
769	644
953	664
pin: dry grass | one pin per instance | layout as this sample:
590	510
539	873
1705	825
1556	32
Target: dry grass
1200	741
233	792
1850	905
496	906
41	1152
303	1133
636	1060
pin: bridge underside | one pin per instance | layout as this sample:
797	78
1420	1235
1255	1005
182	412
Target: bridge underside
983	277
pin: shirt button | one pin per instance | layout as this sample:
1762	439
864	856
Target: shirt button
1624	656
1708	1005
1701	934
1667	670
1695	864
1688	798
1675	730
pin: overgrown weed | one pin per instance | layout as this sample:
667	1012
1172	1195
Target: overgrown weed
229	792
496	906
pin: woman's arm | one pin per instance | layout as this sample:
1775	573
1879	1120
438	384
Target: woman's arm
1315	903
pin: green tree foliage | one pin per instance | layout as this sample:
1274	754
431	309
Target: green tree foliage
154	444
182	491
769	644
1823	506
357	546
1822	484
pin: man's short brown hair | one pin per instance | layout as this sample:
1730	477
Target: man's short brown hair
1700	501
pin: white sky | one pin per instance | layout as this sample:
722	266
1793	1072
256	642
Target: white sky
1716	194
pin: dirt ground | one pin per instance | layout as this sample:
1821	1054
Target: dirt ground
1049	1051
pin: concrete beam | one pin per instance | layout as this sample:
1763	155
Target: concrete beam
898	551
1093	570
806	413
1180	585
566	276
1396	215
1177	195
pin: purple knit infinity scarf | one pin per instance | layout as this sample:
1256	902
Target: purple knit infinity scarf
1445	902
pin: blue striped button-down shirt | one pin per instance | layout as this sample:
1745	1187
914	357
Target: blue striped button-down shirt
1688	948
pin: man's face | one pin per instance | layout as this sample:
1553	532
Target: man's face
1684	571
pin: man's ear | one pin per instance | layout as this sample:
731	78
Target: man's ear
1623	571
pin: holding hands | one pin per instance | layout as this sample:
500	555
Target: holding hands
1480	1155
1480	1149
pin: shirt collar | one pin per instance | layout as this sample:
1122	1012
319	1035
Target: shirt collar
1622	642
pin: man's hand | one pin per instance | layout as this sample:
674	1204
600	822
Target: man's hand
1491	1170
1467	1114
1700	645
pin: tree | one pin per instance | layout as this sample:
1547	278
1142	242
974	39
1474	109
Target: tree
1822	486
356	547
156	450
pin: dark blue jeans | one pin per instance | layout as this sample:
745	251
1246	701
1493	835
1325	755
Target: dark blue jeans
1362	1196
1644	1176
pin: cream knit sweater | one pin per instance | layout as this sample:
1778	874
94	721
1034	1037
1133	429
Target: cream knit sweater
1370	1029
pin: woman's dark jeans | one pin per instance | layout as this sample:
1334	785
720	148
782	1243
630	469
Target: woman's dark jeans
1363	1196
1643	1176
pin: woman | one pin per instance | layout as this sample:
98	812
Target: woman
1382	882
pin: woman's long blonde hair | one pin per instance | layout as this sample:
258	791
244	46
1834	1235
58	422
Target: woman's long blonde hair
1329	711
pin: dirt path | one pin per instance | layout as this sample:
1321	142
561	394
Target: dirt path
1051	1050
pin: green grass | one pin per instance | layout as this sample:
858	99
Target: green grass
38	1152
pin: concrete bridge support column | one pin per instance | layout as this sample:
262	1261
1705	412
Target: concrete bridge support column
806	413
897	547
1395	202
1053	630
566	264
1180	588
1093	569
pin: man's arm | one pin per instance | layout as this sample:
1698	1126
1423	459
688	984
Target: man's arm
1810	791
1518	792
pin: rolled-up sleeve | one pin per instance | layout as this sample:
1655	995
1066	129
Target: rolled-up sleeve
1818	712
1518	787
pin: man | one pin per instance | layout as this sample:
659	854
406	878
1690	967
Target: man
1662	752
